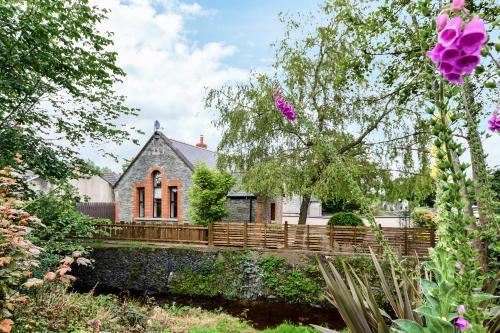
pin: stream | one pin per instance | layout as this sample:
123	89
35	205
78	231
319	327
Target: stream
262	314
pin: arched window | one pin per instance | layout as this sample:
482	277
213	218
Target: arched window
156	194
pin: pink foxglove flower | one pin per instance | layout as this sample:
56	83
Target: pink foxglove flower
441	21
462	323
467	62
450	53
285	108
457	5
474	35
494	122
435	53
454	78
445	68
451	32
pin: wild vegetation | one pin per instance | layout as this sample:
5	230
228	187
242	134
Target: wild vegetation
352	111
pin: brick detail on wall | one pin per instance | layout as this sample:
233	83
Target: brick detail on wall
148	191
117	211
178	183
135	191
259	210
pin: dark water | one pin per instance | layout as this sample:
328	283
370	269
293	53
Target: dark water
262	314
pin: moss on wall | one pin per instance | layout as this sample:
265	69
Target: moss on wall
291	277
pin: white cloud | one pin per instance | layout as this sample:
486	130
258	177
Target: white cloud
193	9
166	72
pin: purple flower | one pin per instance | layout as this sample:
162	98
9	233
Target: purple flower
454	78
467	62
460	267
462	323
285	108
435	53
445	68
461	309
457	5
441	21
474	35
494	122
450	53
451	32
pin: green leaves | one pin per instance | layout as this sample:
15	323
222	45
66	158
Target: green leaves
208	195
57	76
410	326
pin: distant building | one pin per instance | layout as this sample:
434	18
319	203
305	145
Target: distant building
93	189
291	207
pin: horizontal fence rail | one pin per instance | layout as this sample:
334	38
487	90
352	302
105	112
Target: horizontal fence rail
331	239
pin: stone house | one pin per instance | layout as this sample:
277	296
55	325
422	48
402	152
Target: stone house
154	187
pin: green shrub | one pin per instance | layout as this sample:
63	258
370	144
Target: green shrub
422	217
63	225
345	219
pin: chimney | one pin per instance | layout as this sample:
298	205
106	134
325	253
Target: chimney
201	144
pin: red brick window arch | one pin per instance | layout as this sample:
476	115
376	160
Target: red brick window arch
157	193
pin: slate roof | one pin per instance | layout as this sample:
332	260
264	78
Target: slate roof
236	191
110	177
194	154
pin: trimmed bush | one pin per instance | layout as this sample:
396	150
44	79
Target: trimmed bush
346	219
422	217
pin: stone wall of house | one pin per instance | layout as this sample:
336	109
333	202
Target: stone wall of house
239	209
156	154
266	209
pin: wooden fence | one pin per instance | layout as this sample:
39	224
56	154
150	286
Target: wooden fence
405	241
170	233
105	210
331	239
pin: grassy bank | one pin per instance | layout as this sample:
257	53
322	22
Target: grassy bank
53	309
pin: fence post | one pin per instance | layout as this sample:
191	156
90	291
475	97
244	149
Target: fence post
211	234
227	233
433	237
265	235
178	231
245	234
406	241
330	228
307	236
285	235
380	250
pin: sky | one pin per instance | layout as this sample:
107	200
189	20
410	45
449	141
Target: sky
173	51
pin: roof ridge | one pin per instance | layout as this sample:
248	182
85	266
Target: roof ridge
189	144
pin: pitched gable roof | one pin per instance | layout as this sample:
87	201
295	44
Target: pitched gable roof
110	177
195	154
187	153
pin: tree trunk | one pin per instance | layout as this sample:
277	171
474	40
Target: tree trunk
304	207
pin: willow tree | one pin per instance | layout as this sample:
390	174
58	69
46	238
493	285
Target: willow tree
349	122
